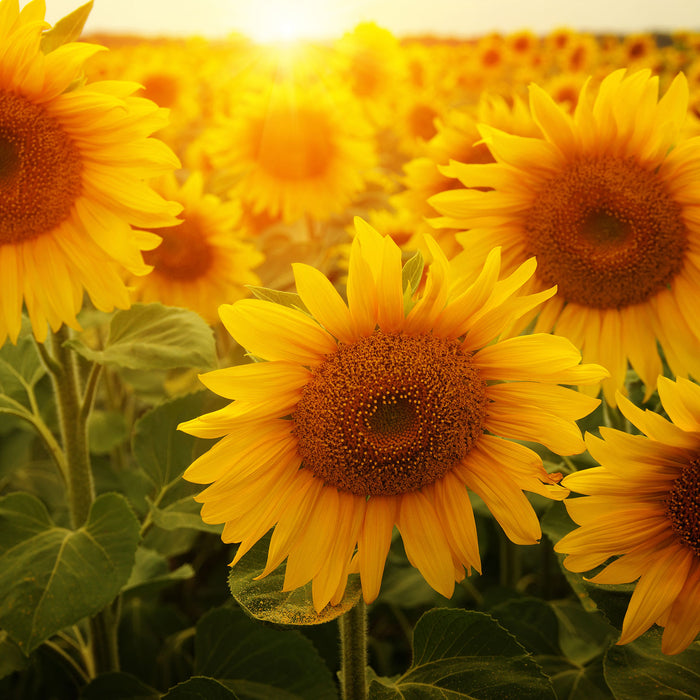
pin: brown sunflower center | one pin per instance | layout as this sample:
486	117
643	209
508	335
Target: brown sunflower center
607	232
390	413
683	506
40	170
184	253
294	145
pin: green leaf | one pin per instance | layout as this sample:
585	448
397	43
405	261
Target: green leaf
20	365
582	635
289	299
611	600
265	599
465	654
258	661
162	451
11	657
118	686
67	29
183	513
154	337
412	273
533	623
573	682
640	670
106	430
51	577
152	572
200	688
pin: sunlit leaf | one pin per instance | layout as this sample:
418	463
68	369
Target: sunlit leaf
288	299
264	599
154	337
67	29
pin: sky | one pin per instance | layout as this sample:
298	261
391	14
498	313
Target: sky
270	20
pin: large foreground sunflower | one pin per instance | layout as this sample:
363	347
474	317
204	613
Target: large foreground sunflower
607	200
382	412
642	508
73	159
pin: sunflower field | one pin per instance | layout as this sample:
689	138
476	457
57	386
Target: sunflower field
365	368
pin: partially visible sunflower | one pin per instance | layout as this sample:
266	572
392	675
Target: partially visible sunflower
607	200
293	152
641	515
73	160
384	411
205	259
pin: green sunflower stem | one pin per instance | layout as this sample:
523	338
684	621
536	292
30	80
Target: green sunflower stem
73	424
353	650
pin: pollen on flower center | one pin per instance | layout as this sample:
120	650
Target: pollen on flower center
40	170
683	506
607	232
184	254
390	413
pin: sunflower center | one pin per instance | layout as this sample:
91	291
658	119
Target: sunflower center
683	506
607	232
183	254
40	170
390	413
294	145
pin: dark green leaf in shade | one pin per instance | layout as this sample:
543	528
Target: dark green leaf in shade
152	572
639	670
201	688
67	29
533	623
11	657
118	686
289	299
162	451
20	365
51	577
257	661
265	600
106	430
572	682
154	337
183	513
583	635
611	600
465	654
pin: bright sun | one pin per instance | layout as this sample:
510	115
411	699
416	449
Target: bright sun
267	21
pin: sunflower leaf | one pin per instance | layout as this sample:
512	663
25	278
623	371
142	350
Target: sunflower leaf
289	299
639	669
20	365
412	273
151	337
265	599
52	577
200	688
116	686
465	654
255	660
67	29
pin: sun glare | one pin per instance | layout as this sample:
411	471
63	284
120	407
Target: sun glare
273	21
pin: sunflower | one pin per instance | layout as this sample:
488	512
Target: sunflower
294	153
382	412
642	510
607	201
203	260
73	158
